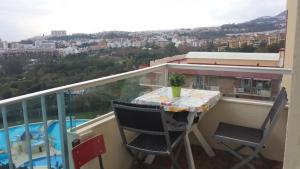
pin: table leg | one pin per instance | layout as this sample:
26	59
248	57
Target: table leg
189	154
149	159
203	142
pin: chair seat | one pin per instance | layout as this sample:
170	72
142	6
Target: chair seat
155	144
239	134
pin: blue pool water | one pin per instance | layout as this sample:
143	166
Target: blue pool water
53	133
14	134
55	161
4	158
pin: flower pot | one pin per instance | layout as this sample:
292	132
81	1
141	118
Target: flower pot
176	91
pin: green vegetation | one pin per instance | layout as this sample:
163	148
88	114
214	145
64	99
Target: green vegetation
18	77
176	80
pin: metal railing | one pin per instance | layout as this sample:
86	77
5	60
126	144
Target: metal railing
60	99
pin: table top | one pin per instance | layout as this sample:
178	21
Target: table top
192	100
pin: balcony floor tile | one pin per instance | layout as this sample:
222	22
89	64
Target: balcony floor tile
222	160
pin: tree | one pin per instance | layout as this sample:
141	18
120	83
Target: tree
273	48
247	48
13	66
6	94
262	50
172	49
210	47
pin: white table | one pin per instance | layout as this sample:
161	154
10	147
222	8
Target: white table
191	100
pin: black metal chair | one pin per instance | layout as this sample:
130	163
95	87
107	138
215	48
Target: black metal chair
152	136
252	138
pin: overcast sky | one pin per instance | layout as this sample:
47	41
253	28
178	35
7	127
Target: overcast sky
20	19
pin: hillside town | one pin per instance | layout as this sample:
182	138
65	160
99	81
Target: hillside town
65	47
255	33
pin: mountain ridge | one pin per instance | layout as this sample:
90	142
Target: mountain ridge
260	24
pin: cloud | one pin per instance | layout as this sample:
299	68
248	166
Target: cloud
21	19
17	18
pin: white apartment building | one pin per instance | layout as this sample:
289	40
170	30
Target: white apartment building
177	41
69	50
45	44
15	45
27	46
3	44
58	33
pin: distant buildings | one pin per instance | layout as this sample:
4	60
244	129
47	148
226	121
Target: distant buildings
255	39
58	33
159	41
27	46
124	42
45	44
68	51
77	43
31	54
3	45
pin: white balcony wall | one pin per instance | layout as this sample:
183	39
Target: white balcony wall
116	156
292	148
247	114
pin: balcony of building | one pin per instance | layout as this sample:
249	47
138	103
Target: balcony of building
38	128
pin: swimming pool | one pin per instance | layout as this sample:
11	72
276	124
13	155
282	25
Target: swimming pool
53	133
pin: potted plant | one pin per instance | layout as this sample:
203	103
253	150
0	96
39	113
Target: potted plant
176	82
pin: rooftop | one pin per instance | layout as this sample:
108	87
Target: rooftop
234	56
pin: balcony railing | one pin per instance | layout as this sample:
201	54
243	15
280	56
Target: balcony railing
45	111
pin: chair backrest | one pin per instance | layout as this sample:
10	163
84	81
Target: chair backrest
88	150
272	117
139	118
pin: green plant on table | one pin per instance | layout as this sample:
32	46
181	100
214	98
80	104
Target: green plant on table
176	80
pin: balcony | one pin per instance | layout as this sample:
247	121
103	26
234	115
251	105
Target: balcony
38	128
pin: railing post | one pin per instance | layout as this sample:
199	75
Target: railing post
5	127
63	129
69	108
46	137
166	76
27	133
